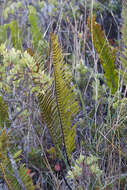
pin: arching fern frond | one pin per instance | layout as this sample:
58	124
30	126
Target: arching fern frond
106	54
65	97
50	117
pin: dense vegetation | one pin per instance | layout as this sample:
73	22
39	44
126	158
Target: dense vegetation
63	95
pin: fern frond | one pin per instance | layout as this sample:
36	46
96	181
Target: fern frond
65	97
106	54
49	113
22	181
16	179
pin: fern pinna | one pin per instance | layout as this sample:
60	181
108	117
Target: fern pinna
106	54
65	97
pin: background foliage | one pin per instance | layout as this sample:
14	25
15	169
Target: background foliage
63	94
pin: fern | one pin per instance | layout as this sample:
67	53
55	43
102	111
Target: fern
15	178
50	117
65	97
106	54
58	110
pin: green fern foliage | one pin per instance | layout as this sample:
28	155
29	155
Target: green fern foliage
50	117
65	97
25	179
106	54
12	180
14	177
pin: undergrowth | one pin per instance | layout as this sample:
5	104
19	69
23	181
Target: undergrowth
63	95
